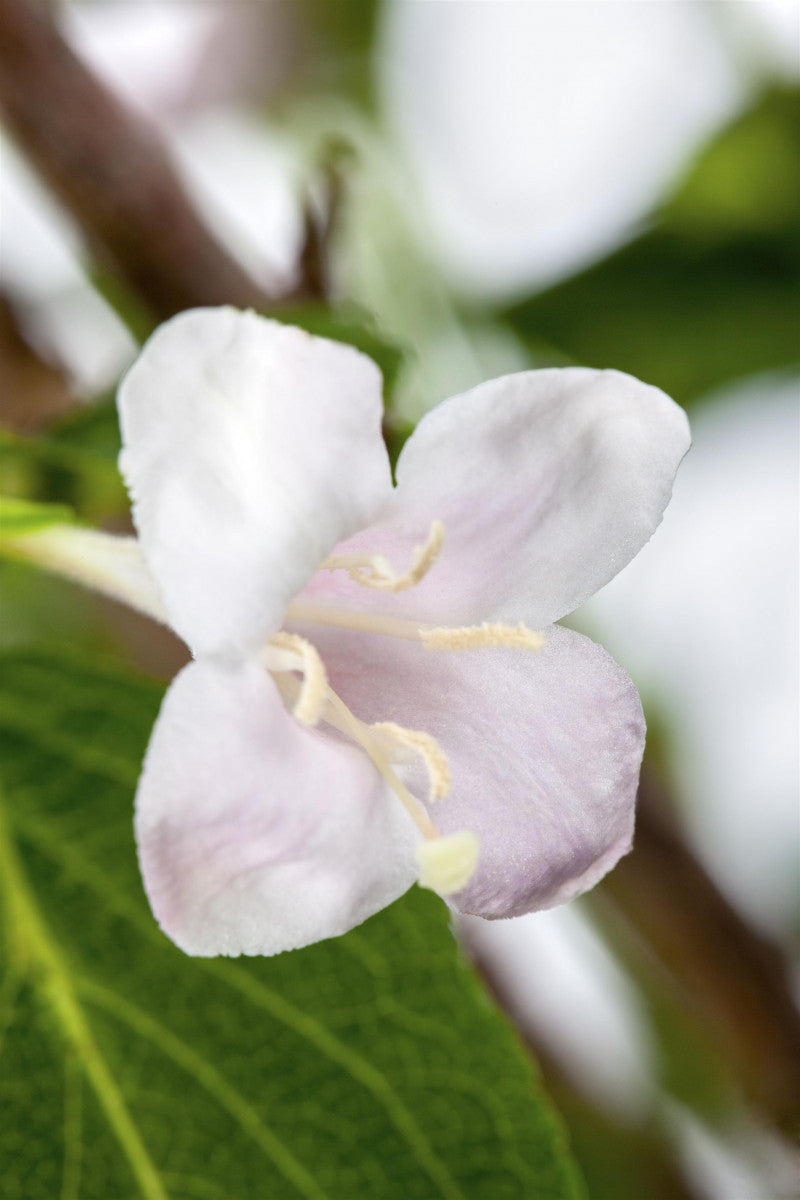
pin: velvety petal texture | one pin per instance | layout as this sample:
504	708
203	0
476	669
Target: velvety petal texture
547	482
544	750
257	835
250	449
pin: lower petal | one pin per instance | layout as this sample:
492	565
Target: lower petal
544	751
254	834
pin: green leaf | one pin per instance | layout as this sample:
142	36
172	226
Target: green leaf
712	293
74	462
369	1066
18	517
91	430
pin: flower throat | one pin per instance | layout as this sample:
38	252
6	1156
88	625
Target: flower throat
446	862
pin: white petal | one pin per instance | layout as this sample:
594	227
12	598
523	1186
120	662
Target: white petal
544	752
548	483
256	835
250	449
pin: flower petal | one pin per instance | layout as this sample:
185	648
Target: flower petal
256	835
544	751
250	449
547	482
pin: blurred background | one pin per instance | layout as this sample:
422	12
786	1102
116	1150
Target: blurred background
465	188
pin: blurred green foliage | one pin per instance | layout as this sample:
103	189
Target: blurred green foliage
18	517
74	463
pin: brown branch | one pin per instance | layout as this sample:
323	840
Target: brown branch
736	981
110	170
33	393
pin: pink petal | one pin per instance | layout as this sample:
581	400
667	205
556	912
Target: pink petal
548	483
256	835
544	751
250	449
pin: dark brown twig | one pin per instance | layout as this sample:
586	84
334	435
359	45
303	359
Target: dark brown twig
33	393
110	170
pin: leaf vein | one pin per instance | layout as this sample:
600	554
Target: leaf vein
227	1096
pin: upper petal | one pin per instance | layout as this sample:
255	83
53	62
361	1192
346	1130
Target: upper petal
544	752
254	834
250	449
547	482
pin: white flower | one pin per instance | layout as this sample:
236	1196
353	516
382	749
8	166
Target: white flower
369	705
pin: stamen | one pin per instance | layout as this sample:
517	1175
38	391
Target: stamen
428	749
439	637
472	637
375	571
314	690
447	864
348	618
340	716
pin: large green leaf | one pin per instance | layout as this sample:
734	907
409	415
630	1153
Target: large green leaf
712	292
371	1066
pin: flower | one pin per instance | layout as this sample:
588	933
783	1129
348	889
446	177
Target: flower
379	694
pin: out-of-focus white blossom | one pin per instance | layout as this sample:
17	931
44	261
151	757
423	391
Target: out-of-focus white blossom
706	621
542	133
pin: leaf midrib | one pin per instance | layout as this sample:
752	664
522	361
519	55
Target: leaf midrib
301	1023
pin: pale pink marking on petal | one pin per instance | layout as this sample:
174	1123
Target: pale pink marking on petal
547	482
544	750
250	449
256	835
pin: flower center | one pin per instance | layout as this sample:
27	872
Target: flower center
446	862
375	571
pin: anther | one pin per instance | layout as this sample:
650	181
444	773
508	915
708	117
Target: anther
428	749
375	571
472	637
446	864
314	690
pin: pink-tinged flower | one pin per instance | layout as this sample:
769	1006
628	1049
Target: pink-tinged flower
380	695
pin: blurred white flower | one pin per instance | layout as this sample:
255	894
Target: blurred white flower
769	35
44	275
239	174
541	133
146	53
745	1163
561	984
